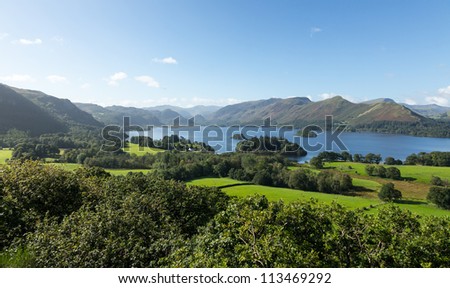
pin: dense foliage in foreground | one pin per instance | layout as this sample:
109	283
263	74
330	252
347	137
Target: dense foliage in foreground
144	221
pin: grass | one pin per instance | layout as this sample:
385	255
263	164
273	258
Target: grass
140	151
215	182
123	172
15	259
67	166
4	155
371	202
415	185
291	195
422	208
367	185
419	174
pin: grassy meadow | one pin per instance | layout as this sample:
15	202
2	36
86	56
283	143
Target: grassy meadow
140	151
4	155
368	188
416	173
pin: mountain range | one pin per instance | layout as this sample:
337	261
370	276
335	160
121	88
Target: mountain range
39	113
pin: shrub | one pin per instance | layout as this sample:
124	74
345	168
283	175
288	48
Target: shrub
439	196
393	173
388	193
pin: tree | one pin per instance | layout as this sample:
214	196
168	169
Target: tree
393	173
436	181
388	193
302	179
358	158
316	162
392	161
370	170
439	196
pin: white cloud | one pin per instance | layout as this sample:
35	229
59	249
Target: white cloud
167	60
149	81
442	98
36	41
115	78
17	78
327	95
437	100
445	90
56	78
58	40
3	35
315	30
410	101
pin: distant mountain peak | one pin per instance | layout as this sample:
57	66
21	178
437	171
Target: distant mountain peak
380	100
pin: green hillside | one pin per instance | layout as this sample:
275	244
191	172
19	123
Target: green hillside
20	113
62	109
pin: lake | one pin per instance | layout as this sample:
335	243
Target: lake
397	146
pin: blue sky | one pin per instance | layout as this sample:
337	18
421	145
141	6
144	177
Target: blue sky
215	52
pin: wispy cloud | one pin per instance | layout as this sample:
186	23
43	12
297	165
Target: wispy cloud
3	35
58	40
314	30
444	91
442	98
327	95
410	101
167	60
437	100
24	41
149	81
17	78
114	79
56	78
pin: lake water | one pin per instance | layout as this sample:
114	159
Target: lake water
397	146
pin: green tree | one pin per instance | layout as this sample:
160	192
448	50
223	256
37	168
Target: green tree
439	196
316	162
393	173
388	193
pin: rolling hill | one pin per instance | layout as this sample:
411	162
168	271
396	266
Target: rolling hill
62	109
431	110
18	112
39	113
301	111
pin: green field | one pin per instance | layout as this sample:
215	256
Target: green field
420	207
5	154
67	166
118	172
140	151
369	185
420	174
290	195
215	182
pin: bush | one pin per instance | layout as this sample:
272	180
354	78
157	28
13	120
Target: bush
393	173
436	181
334	183
388	193
138	222
316	162
32	191
439	196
